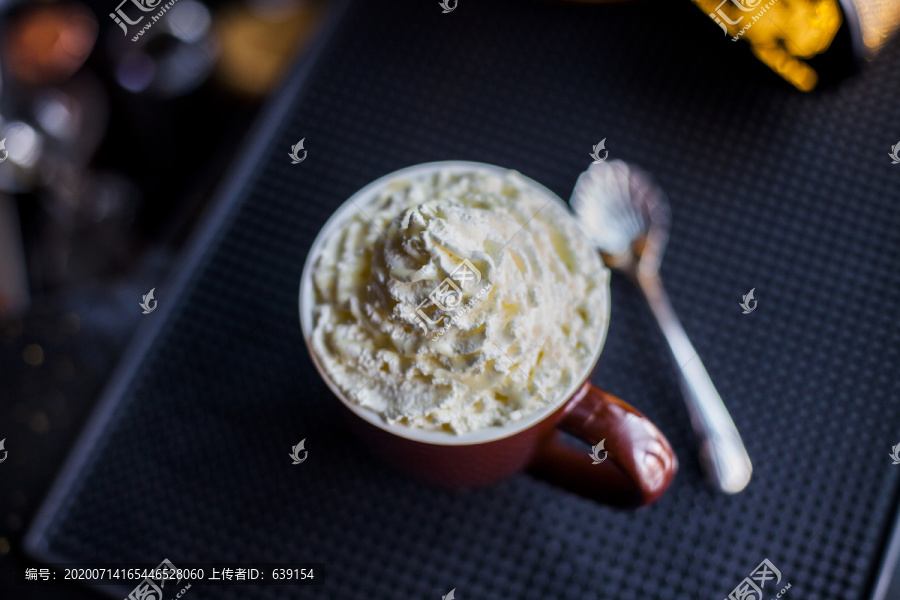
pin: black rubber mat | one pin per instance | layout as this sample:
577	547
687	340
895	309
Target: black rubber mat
793	195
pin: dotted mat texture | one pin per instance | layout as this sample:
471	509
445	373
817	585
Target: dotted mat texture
791	194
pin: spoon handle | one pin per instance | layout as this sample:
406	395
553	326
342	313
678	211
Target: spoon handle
722	454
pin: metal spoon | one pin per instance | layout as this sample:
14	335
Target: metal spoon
627	217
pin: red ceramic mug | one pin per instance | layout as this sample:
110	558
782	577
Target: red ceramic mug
637	463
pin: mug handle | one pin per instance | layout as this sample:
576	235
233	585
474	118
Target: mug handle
640	465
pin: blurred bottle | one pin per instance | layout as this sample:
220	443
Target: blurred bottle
805	41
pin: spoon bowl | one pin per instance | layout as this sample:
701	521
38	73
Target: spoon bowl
625	214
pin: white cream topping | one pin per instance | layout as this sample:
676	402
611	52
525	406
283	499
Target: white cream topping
522	334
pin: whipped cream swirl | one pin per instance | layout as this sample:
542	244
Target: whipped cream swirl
527	294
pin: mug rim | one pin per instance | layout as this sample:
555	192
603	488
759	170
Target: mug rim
360	199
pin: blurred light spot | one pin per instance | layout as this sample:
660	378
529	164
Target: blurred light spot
4	546
39	423
33	355
189	21
184	68
23	143
49	43
55	116
136	72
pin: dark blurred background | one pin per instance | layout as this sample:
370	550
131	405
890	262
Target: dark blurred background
115	149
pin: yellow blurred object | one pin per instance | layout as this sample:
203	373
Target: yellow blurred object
259	40
782	33
785	33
